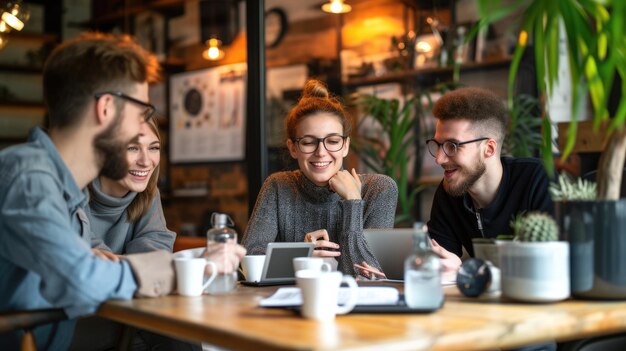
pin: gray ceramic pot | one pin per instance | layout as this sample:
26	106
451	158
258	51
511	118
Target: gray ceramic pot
596	231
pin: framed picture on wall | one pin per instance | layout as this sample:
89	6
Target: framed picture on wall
207	121
150	32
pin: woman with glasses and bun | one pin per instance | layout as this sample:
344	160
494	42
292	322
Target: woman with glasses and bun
321	202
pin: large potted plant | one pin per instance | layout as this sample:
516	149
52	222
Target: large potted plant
596	57
400	131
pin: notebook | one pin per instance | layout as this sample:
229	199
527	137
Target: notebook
390	247
278	267
370	300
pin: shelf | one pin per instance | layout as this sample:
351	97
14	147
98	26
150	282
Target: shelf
21	69
122	14
13	140
26	36
21	104
411	75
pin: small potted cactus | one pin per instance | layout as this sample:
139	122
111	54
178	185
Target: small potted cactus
535	265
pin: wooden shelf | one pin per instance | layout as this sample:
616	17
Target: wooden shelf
13	140
414	74
109	18
21	69
21	104
26	36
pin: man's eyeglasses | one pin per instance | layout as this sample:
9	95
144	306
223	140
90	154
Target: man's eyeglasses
149	108
308	144
449	147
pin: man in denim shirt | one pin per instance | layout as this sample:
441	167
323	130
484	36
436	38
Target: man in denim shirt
95	90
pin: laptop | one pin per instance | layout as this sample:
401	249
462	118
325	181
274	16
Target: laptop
278	267
391	247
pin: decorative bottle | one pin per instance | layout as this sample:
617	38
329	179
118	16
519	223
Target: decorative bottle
220	234
422	273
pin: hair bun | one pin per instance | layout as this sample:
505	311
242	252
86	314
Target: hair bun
315	89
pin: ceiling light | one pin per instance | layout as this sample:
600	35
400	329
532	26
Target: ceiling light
336	6
213	52
15	15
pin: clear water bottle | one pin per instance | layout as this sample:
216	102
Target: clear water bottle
219	235
422	273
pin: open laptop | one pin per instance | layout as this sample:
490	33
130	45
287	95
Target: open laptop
391	247
278	267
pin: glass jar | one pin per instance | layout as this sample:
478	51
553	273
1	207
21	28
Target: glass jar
422	273
220	234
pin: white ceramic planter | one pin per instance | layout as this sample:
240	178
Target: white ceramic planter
535	272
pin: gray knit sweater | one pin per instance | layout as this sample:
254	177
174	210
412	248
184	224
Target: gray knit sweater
290	205
112	231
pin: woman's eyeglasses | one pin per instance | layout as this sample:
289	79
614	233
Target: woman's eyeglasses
308	144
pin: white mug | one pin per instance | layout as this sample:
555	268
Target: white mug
316	263
252	267
190	275
320	291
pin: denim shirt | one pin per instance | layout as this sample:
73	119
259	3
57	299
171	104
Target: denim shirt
45	256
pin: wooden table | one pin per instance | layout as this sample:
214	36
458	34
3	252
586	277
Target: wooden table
235	321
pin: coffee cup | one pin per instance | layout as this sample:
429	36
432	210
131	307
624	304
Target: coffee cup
320	291
252	267
315	263
190	274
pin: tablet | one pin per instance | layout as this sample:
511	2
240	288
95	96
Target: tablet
278	267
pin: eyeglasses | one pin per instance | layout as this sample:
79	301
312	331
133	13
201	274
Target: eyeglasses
149	108
308	144
449	147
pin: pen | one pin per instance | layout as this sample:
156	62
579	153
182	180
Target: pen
372	271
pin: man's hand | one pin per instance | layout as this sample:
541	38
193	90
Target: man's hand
225	255
322	244
346	184
106	255
450	263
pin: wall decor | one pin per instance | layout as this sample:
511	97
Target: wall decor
207	121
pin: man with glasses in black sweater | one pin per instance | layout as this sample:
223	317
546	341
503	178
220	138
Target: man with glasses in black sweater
481	191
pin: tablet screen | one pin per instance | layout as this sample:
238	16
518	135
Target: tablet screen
280	264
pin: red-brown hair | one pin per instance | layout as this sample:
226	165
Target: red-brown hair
316	99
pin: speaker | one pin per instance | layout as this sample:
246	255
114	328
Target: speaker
219	19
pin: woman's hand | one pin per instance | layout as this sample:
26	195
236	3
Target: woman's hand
368	271
106	255
346	184
450	263
322	244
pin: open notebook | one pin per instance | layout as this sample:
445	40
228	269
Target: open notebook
371	299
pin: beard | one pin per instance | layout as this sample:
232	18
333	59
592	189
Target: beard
467	178
112	150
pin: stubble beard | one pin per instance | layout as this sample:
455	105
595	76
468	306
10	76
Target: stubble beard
112	151
471	176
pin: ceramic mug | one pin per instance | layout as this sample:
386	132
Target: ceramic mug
190	273
320	291
316	263
252	267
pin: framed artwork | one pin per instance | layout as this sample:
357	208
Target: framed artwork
207	121
150	32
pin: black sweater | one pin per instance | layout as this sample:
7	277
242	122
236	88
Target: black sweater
454	221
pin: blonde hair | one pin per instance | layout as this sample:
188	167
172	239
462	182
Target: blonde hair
141	203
